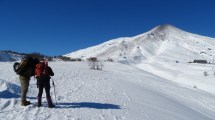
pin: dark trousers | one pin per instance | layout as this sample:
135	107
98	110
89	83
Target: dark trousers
43	83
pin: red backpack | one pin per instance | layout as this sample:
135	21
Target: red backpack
41	69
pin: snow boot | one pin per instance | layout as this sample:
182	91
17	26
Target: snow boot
25	103
49	100
39	100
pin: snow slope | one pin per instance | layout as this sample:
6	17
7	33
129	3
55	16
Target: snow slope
118	92
9	57
161	43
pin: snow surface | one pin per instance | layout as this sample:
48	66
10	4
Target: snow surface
118	92
155	81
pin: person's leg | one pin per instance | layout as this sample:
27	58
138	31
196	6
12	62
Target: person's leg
40	93
24	89
48	96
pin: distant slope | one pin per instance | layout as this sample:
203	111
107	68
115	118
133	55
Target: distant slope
162	42
9	56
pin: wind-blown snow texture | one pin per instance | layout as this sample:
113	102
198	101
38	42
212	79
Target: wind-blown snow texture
154	83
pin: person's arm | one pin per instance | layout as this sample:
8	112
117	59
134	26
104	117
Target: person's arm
51	73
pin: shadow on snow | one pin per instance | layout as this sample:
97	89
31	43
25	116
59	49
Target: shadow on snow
7	94
88	105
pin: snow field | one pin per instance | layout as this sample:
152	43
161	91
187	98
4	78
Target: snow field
118	92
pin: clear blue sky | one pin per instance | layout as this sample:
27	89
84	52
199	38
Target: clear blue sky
57	27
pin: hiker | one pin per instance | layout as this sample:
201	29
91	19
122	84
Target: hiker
25	70
43	73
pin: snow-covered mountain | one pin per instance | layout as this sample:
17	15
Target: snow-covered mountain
164	42
157	88
9	56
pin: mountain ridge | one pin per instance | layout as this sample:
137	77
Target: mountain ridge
10	56
162	42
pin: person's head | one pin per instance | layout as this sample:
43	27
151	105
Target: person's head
45	61
27	57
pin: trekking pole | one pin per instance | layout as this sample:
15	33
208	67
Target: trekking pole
54	90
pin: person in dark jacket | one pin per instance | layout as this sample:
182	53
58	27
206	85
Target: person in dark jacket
43	73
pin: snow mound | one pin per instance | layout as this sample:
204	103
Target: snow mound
9	90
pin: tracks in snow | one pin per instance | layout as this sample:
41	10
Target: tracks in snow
116	93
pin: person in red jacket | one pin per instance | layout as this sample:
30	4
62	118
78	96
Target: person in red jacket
43	73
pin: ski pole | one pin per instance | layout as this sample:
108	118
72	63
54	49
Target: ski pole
54	90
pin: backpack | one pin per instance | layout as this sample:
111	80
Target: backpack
41	70
21	67
16	67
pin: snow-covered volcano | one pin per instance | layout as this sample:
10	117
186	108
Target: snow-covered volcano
164	42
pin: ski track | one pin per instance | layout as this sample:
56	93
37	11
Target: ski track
122	93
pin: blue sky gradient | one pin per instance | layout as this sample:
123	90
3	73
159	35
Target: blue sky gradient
58	27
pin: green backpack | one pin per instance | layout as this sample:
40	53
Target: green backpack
21	67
